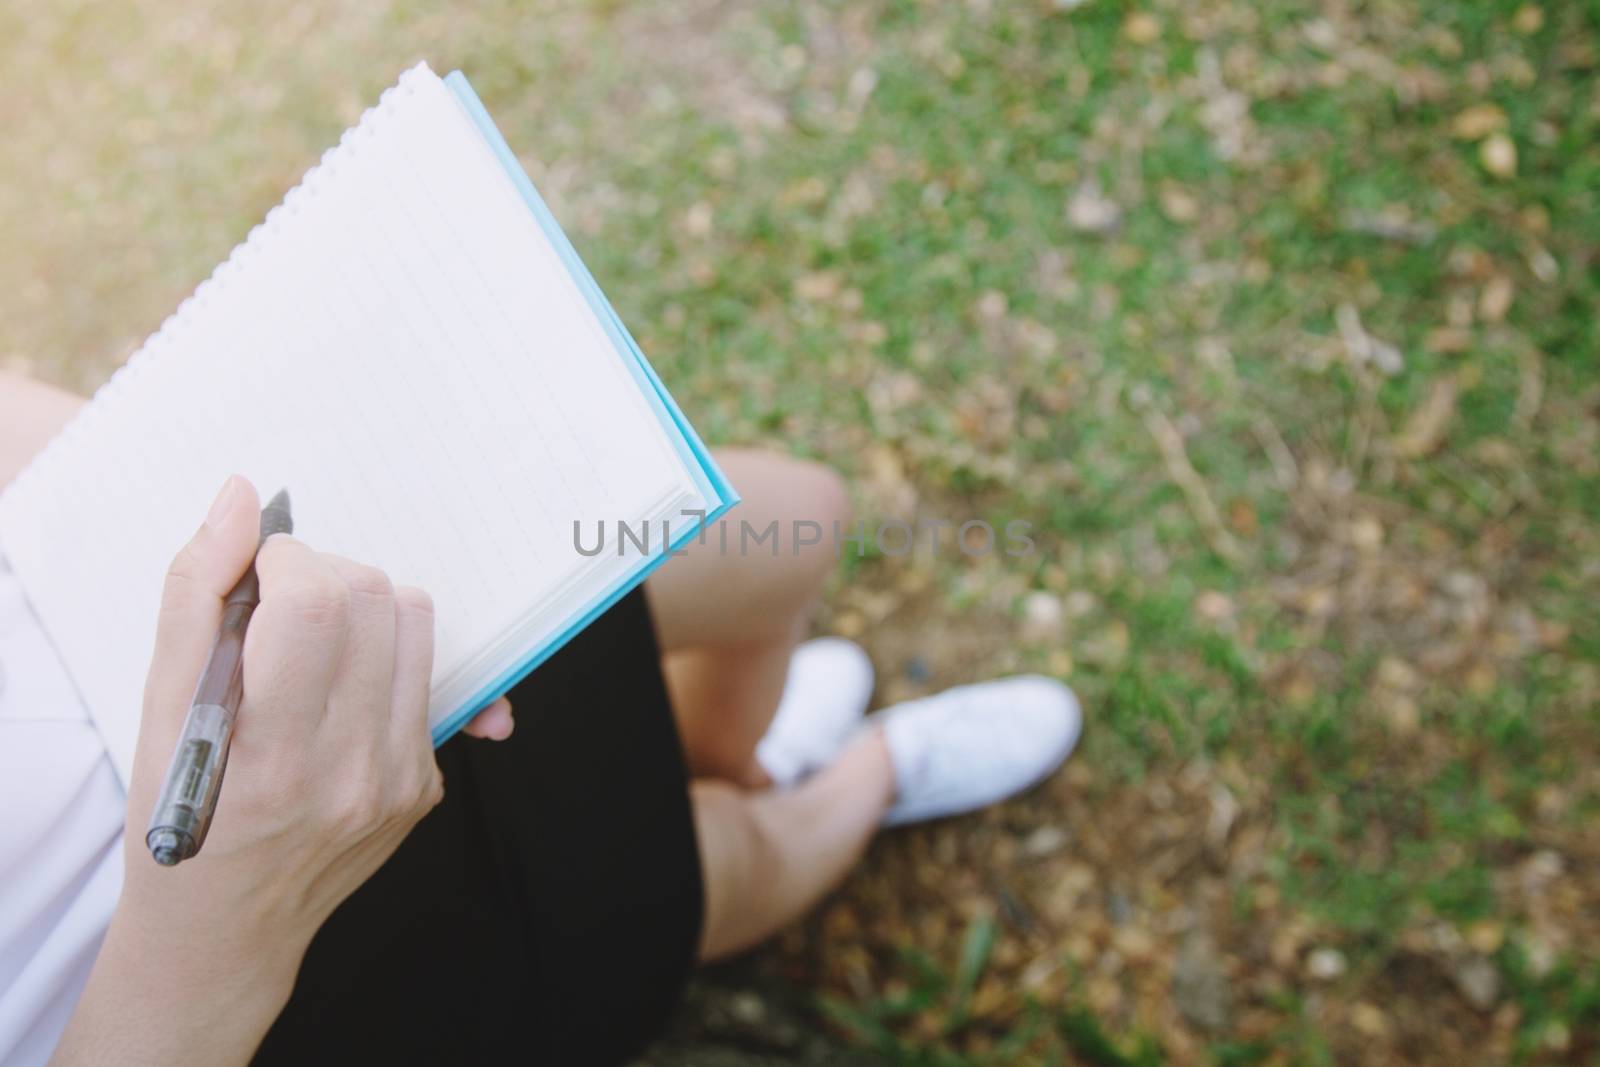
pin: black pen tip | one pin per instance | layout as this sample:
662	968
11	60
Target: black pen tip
276	517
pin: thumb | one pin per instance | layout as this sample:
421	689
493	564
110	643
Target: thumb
200	576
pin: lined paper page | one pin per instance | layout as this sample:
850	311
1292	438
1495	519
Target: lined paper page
403	349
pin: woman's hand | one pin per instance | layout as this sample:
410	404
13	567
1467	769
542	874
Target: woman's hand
331	763
330	768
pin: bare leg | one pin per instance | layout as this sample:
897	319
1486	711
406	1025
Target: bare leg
768	857
728	621
30	414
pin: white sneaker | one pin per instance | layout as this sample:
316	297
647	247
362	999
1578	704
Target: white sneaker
824	696
971	746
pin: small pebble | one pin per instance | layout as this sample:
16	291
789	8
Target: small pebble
1326	964
1044	841
747	1008
1498	154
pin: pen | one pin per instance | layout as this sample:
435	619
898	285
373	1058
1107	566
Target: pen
189	795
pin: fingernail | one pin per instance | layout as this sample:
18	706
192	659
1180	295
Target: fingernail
224	502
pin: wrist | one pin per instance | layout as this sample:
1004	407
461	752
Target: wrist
200	956
178	997
231	970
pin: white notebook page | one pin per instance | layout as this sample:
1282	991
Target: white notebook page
402	348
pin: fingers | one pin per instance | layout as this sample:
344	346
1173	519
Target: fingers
493	723
412	685
413	660
361	684
335	650
297	637
201	574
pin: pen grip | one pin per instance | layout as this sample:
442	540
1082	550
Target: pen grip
222	681
182	816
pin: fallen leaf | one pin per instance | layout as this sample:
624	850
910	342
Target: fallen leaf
1242	518
1486	936
1477	122
1553	633
698	220
1542	263
1495	300
1396	673
1134	942
1299	690
1392	224
1080	603
1369	1019
1219	822
1110	646
1528	20
1478	982
1091	211
1557	1036
1481	679
1322	34
991	305
1212	606
1200	983
1401	713
1177	203
1365	533
1042	618
1363	347
1286	941
1448	340
823	285
1424	431
1141	27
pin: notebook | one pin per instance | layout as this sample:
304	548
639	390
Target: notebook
410	345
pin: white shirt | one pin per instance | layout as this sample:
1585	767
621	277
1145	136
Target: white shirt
61	815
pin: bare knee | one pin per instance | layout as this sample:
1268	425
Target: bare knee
756	579
821	515
801	487
823	491
808	499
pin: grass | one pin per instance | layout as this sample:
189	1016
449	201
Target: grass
977	256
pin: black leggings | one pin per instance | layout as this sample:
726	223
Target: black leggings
549	910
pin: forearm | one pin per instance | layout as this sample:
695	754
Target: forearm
30	414
154	998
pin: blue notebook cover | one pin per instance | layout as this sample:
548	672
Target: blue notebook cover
713	484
